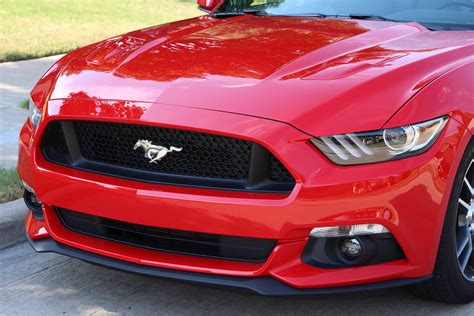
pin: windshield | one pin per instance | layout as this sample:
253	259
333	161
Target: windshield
434	14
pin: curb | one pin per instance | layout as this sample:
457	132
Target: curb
12	217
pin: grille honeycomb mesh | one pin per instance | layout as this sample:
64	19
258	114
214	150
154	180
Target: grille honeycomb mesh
278	172
202	155
205	160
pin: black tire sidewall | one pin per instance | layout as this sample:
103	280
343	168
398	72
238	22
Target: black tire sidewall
462	287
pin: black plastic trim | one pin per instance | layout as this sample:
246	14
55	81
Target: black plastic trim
267	286
324	252
234	248
35	208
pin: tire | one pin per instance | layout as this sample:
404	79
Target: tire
450	283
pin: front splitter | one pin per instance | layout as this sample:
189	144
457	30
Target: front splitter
266	286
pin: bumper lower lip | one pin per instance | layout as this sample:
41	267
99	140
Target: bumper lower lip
266	286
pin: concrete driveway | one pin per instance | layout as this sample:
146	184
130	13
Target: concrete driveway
50	284
16	81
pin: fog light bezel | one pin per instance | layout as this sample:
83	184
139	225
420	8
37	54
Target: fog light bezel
324	250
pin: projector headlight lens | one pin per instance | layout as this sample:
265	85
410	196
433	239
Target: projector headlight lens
382	145
401	138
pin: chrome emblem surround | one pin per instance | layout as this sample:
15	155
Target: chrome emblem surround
153	152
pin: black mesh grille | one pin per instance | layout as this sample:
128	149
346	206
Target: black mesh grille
205	160
202	155
169	240
278	172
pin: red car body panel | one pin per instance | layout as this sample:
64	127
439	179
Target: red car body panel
277	82
238	65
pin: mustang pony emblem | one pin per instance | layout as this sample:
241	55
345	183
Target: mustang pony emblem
153	152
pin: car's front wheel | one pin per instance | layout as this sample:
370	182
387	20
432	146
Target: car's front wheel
453	278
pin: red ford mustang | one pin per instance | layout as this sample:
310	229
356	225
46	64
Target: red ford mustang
284	147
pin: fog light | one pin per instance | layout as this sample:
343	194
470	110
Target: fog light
333	247
32	202
352	248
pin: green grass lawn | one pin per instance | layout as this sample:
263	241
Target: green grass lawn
10	186
37	28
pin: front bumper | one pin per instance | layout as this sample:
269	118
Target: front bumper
409	197
267	286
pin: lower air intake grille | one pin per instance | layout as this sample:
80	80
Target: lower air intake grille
201	159
168	240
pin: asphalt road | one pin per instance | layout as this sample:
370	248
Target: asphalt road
50	284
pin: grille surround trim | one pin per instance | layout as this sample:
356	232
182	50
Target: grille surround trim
258	179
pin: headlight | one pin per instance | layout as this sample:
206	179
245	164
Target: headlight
382	145
35	114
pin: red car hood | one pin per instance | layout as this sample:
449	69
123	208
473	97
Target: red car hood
323	76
